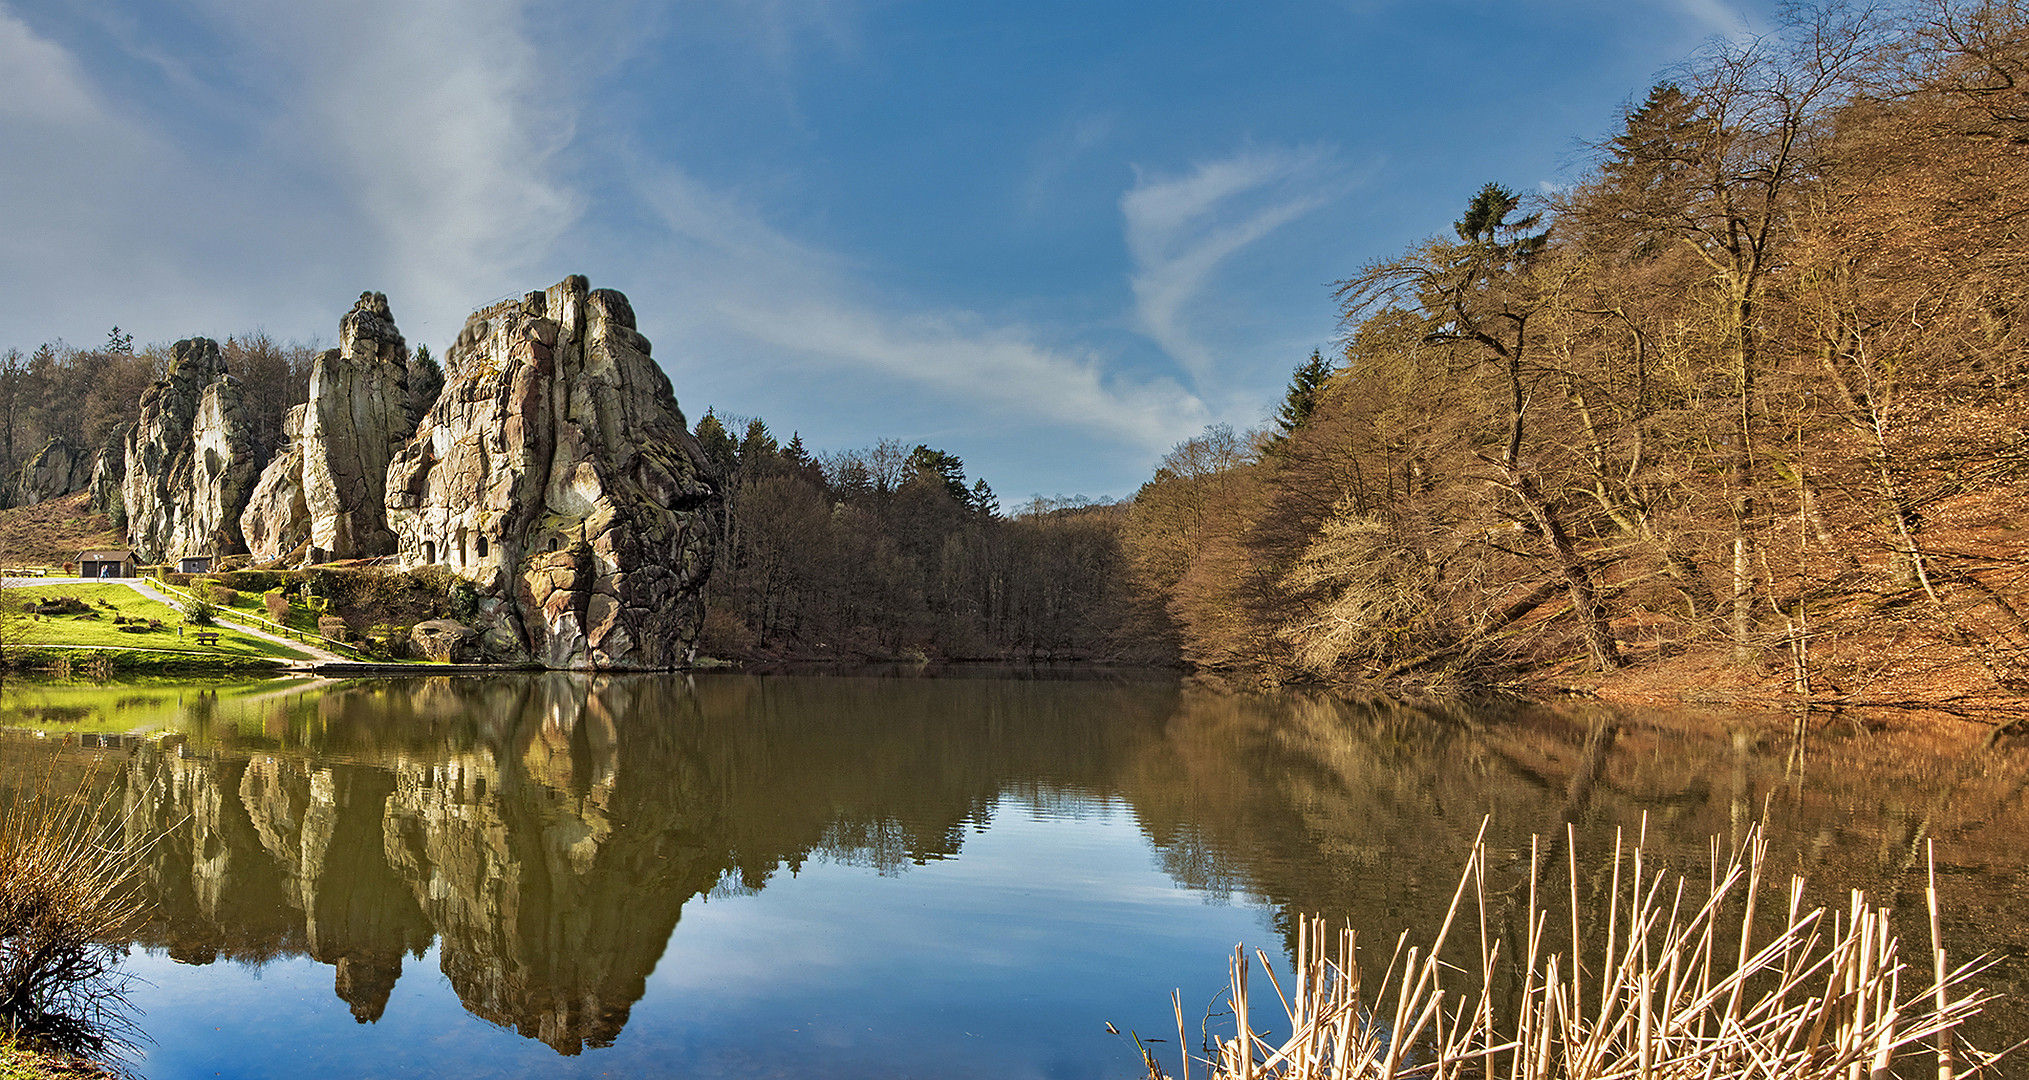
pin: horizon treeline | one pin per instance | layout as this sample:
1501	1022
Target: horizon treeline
889	553
84	395
1757	379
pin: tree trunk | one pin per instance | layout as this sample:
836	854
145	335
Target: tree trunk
1572	570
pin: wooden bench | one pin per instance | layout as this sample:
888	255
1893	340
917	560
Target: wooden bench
206	637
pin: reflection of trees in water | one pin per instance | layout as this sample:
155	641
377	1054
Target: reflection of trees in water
548	830
1362	810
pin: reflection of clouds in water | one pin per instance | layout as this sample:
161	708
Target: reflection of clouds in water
551	834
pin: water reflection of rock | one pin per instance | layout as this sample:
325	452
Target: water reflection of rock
547	831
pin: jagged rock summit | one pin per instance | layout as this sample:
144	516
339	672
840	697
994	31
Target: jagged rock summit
557	474
325	488
189	459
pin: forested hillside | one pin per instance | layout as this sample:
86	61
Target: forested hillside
84	395
1749	400
888	553
1744	408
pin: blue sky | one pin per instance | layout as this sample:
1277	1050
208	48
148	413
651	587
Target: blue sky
1053	238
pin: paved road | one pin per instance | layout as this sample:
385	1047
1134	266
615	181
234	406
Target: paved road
140	585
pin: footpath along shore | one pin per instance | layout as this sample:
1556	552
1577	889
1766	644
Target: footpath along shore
316	660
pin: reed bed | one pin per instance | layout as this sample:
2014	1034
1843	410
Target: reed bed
68	901
1694	983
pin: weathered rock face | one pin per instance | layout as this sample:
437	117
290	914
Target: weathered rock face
444	641
555	471
59	468
109	472
325	487
189	460
276	522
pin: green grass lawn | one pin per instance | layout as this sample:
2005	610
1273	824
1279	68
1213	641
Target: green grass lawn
30	631
300	618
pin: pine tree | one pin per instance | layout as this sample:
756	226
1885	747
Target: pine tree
983	501
718	446
948	468
1304	387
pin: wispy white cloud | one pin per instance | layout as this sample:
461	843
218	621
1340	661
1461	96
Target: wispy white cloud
1001	367
414	149
1180	230
779	27
82	228
794	299
39	80
442	124
1717	17
1055	154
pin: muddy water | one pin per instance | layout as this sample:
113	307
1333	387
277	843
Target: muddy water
836	876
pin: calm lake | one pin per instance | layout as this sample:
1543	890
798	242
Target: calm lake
833	876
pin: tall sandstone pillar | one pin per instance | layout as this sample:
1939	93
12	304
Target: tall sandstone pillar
189	460
556	473
325	488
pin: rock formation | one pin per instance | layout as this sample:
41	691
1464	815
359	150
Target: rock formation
59	468
555	472
189	460
325	487
444	640
109	473
276	522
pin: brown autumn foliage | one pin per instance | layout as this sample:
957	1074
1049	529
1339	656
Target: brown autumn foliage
1748	403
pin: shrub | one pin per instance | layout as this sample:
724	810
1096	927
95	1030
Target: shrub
252	580
67	899
223	596
333	627
278	605
199	612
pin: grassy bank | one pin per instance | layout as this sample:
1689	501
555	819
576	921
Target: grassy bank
125	632
108	662
125	706
19	1061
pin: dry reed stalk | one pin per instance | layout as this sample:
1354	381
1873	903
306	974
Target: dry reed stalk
68	902
1811	1002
